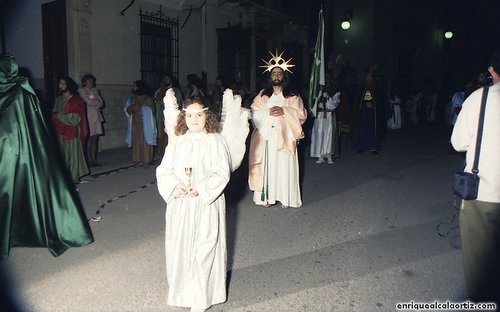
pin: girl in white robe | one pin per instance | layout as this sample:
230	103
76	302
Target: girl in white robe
191	178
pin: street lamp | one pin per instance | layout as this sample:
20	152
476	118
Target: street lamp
346	21
345	24
448	34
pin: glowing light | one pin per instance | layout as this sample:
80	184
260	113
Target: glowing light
345	25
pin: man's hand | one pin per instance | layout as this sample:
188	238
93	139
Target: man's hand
276	111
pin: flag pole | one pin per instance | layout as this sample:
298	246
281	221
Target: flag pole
317	78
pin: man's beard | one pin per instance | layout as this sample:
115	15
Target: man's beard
277	82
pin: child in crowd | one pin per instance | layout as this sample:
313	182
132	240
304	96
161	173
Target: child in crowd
191	178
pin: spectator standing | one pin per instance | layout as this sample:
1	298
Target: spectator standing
456	105
166	83
412	106
240	87
141	132
195	86
366	135
70	121
325	135
480	218
94	104
427	109
394	121
216	97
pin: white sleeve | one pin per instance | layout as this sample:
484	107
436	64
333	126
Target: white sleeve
262	121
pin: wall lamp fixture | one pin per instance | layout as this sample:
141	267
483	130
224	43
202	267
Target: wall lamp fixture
346	21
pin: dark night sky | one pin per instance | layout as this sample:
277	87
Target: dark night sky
413	23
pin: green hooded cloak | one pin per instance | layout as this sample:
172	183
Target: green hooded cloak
39	205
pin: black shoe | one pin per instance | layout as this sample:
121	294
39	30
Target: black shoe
374	153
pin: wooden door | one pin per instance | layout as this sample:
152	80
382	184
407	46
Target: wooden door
55	53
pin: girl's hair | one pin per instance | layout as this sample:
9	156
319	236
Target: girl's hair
212	124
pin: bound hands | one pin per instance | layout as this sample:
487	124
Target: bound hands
186	190
276	111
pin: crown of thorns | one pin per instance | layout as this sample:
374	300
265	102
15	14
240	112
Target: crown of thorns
277	61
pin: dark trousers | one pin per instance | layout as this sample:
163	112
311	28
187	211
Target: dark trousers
480	233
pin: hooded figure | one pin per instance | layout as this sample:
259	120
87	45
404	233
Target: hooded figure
39	203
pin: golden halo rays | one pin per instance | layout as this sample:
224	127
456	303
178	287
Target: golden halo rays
277	61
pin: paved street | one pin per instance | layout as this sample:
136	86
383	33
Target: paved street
365	238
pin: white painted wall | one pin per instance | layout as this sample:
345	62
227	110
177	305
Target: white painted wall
115	42
115	46
116	39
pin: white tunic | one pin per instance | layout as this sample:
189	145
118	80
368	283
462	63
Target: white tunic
281	170
395	121
195	233
322	133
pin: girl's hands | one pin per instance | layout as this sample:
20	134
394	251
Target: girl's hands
181	189
185	190
192	191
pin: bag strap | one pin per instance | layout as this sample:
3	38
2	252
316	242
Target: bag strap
475	169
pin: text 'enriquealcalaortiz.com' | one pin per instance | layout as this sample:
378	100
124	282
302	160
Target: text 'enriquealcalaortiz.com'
446	305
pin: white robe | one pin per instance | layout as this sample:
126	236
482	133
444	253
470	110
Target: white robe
195	233
395	121
281	169
322	134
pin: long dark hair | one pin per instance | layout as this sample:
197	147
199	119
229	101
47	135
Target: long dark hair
287	89
88	76
71	85
142	87
173	80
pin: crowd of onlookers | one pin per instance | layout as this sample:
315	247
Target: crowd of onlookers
364	112
79	110
361	112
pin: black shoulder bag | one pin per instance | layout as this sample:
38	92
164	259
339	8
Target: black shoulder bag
466	184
